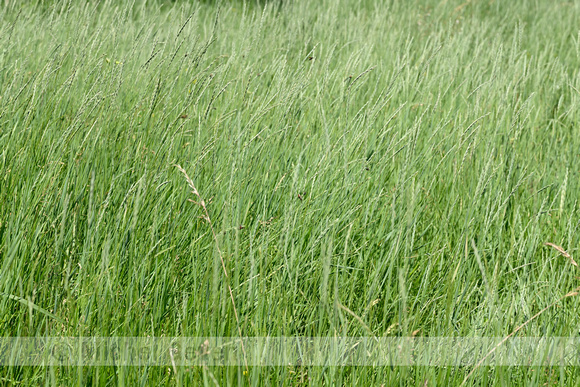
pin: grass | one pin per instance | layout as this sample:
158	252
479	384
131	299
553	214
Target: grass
362	168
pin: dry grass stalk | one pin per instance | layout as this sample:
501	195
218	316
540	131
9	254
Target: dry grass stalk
563	252
201	203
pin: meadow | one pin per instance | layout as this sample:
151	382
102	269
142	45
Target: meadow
342	168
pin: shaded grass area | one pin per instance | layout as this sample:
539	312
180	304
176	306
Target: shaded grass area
351	155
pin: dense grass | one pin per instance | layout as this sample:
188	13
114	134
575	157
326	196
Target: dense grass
404	161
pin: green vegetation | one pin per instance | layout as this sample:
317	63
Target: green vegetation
369	168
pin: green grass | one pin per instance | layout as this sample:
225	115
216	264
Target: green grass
404	160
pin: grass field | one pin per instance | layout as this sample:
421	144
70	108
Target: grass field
311	169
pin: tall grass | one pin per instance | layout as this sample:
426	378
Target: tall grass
369	168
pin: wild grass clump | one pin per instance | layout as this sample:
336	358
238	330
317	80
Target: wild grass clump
366	168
